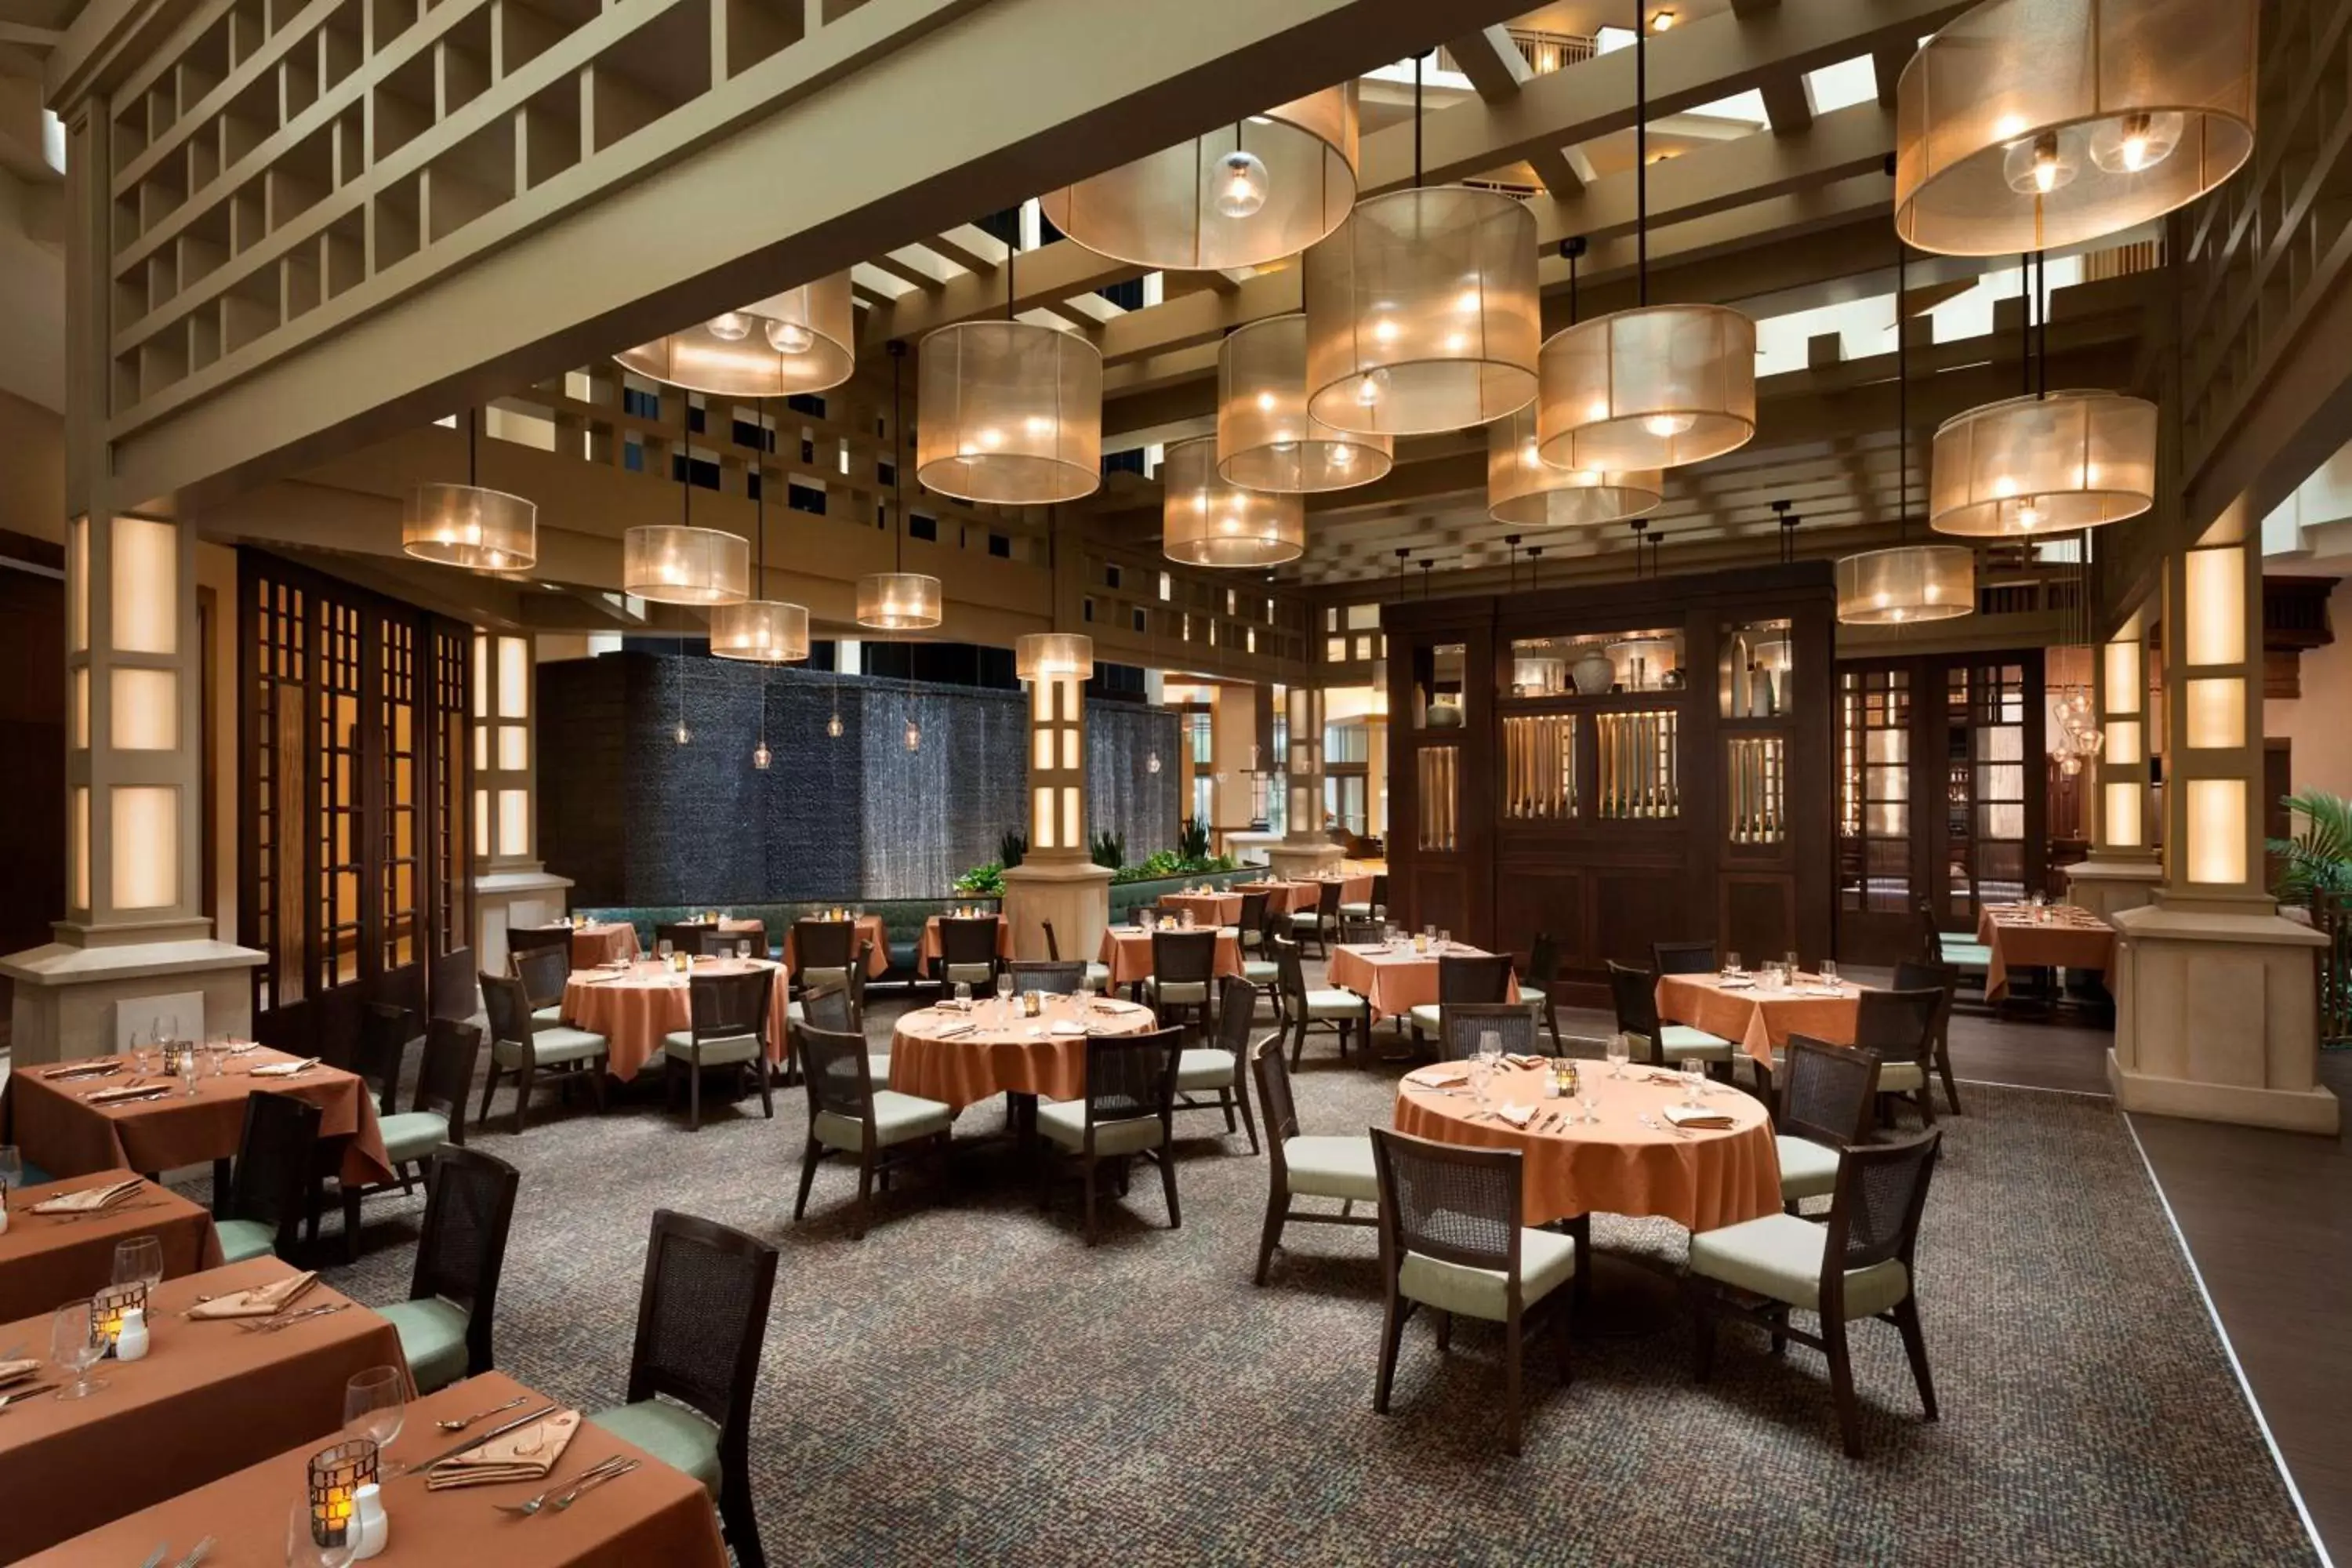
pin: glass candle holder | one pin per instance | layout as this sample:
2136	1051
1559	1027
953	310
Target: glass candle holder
336	1475
111	1305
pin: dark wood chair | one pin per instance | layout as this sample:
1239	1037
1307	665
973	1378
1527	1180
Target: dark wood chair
1218	1068
881	1128
1899	1028
334	1019
1969	958
1300	1166
1251	925
1452	1241
1461	1024
1054	977
544	972
1183	971
1858	1265
444	1324
824	952
1376	902
1824	1110
1912	975
522	940
452	992
1462	977
385	1032
1634	993
1682	958
702	1324
726	1026
1540	983
274	1187
1129	1109
1321	923
681	935
718	942
1336	1007
519	1048
1097	974
968	951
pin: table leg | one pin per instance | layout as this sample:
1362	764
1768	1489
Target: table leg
220	1187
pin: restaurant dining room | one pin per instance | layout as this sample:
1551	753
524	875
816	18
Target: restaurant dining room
1328	782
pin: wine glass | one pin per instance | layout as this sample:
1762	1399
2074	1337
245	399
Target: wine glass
662	949
1694	1081
963	994
1795	967
142	1050
1828	973
139	1260
77	1340
1731	963
743	947
1619	1049
12	1171
303	1551
1490	1048
375	1403
1005	989
188	1069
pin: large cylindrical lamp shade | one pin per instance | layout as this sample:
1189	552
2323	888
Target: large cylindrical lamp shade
671	564
1054	656
1241	195
1648	388
1267	440
1909	582
898	601
1009	414
761	630
2043	464
1522	489
1205	522
466	525
1421	312
2027	125
802	339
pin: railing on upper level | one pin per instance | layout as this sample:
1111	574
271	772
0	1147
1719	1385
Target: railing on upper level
1544	52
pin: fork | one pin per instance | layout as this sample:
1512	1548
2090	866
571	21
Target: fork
589	1483
196	1554
529	1506
287	1320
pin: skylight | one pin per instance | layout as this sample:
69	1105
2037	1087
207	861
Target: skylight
1842	85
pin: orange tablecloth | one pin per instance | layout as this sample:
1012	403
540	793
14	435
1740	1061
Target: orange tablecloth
2074	939
928	952
1127	954
1288	898
601	942
655	1514
1756	1020
1001	1055
48	1259
68	1136
1397	982
650	999
1209	909
870	929
1617	1165
208	1400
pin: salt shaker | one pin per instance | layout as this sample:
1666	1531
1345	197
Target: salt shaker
371	1526
131	1340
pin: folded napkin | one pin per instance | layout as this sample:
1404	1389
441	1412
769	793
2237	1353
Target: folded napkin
1517	1115
249	1045
1736	982
82	1070
16	1370
1437	1078
132	1091
285	1070
1696	1116
88	1199
1068	1026
1671	1079
261	1301
526	1454
1523	1060
1820	990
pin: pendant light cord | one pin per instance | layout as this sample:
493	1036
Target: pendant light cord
685	455
762	504
1902	398
473	424
2041	320
1416	123
1641	160
899	437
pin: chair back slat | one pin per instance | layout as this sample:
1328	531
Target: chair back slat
1183	957
1274	1102
1827	1092
385	1032
1327	903
840	1077
1236	1006
1882	1189
701	1323
1252	915
1899	1025
509	1009
1361	931
1131	1076
1543	960
822	945
968	941
271	1181
680	934
1290	974
1380	897
543	971
335	1027
1463	978
453	992
453	1049
1052	977
1460	1024
1682	958
729	1006
1633	995
1453	1204
1912	975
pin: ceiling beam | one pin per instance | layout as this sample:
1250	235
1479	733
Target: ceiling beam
1492	62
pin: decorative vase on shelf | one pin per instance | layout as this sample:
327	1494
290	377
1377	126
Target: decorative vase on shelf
1593	673
1444	716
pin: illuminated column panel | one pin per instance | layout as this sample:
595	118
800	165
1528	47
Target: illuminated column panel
506	823
1057	767
2212	725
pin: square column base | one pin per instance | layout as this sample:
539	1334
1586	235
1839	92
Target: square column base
1074	895
2217	1019
1293	861
68	999
527	896
2108	888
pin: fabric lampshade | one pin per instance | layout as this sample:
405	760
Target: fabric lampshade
1907	582
1009	414
1648	388
1205	522
898	601
1267	440
802	339
763	630
2044	465
1054	656
466	525
672	564
1522	489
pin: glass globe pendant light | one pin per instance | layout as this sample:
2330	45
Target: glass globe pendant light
1525	490
2025	125
898	600
1267	440
1255	192
1008	413
678	563
802	339
1655	386
1205	522
466	525
1422	309
764	630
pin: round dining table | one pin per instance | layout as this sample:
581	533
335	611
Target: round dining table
632	1006
961	1058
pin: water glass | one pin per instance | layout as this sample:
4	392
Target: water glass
1620	1049
1444	939
662	949
1490	1048
963	992
188	1069
139	1260
1185	919
12	1170
1731	963
142	1050
1005	989
743	947
1589	1115
77	1340
1828	973
1694	1081
1795	967
375	1405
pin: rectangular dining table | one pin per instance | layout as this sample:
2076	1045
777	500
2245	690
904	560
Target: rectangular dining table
929	952
2059	936
654	1515
1127	954
48	1259
1759	1019
1396	980
208	1399
870	932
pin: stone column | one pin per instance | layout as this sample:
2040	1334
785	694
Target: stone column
1058	880
1305	849
2216	1009
511	886
134	944
2123	869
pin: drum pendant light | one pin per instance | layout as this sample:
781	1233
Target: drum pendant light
1250	193
1422	309
898	600
1053	655
764	630
1524	490
802	339
466	525
1267	440
1205	522
2025	125
1656	387
678	563
1909	582
1008	413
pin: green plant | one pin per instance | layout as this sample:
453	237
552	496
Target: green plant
1012	848
1110	849
985	880
2319	858
1192	843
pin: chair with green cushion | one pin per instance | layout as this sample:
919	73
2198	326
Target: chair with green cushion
1537	985
1319	1166
1452	1241
1682	958
1217	1068
701	1323
1899	1027
1912	975
1824	1110
1858	1265
545	970
436	1115
823	953
1336	1007
881	1128
1129	1109
968	951
1971	958
520	1049
1322	921
1374	907
1048	975
1634	994
453	1293
1463	1026
385	1030
1183	970
270	1189
1462	977
453	993
1258	966
1097	974
726	1026
831	1007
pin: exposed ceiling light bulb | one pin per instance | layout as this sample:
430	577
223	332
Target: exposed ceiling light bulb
2037	167
790	338
1152	763
2135	144
1241	184
1667	426
914	736
2028	515
732	327
760	757
1661	21
681	734
832	726
1369	385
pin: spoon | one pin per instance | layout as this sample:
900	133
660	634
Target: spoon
480	1415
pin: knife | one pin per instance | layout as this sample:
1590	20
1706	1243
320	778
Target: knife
14	1394
479	1438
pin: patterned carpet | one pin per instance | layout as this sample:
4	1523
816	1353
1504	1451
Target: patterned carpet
970	1383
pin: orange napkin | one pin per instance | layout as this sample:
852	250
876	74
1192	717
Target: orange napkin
526	1454
261	1301
87	1199
1522	1060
